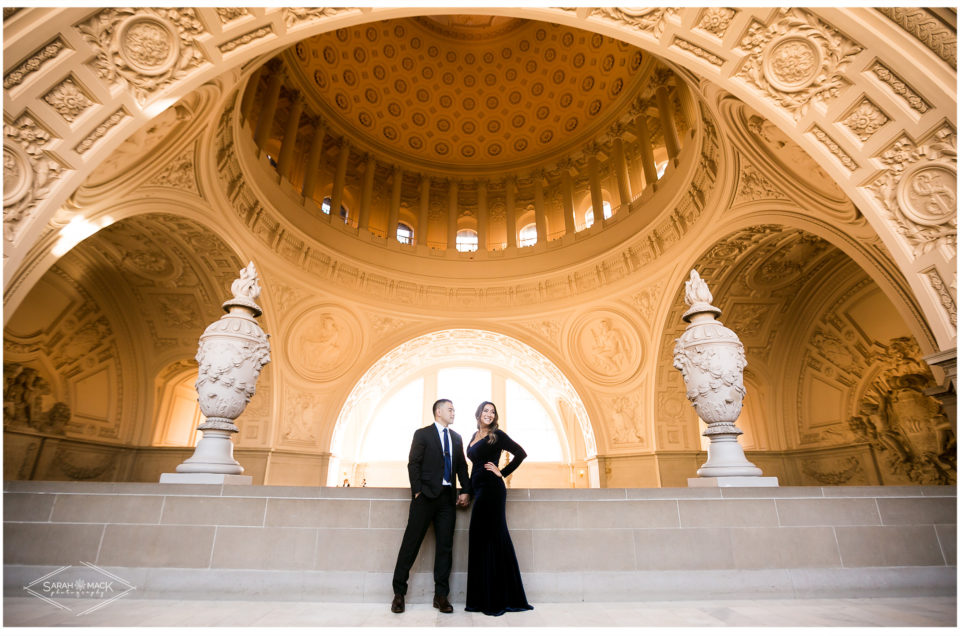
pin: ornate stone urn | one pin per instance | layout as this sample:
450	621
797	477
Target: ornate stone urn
232	351
710	357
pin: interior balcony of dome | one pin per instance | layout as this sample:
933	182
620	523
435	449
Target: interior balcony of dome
341	152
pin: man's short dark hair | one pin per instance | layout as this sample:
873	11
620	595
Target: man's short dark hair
437	404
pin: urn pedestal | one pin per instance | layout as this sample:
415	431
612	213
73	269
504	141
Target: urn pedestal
711	358
232	351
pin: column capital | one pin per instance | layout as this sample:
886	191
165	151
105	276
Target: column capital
538	175
566	165
617	131
660	79
592	149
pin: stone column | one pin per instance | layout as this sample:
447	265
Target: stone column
366	201
453	215
483	216
249	97
711	358
394	218
232	351
424	219
667	123
510	185
596	191
620	165
539	208
339	179
566	189
646	150
269	110
311	171
289	143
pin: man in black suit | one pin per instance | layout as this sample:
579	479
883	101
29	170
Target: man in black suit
436	460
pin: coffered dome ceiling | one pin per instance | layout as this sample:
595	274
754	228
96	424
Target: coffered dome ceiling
476	90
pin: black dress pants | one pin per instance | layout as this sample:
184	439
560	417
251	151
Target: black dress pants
442	513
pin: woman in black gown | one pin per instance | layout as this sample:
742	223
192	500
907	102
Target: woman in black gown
493	576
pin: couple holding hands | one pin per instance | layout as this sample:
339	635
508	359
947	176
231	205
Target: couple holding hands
436	461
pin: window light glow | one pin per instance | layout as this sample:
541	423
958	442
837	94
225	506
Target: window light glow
75	231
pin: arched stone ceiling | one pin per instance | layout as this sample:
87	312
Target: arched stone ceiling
478	91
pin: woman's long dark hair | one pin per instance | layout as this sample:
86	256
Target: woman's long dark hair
494	425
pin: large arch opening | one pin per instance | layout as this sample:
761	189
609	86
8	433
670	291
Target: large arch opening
835	377
538	407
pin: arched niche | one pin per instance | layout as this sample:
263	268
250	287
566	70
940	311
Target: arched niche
823	343
461	348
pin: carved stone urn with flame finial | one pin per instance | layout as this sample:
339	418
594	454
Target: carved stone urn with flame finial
232	351
710	357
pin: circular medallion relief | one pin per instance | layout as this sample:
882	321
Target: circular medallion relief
605	346
323	342
927	194
148	45
791	63
17	175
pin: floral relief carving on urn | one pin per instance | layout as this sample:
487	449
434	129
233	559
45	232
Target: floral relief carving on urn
710	356
231	354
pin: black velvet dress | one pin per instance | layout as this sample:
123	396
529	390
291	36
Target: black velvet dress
493	576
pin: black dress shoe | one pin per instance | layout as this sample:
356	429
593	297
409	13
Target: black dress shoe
397	606
441	603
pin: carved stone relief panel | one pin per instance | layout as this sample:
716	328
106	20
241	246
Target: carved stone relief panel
623	415
323	342
304	412
918	189
145	49
605	346
29	172
908	429
796	59
255	421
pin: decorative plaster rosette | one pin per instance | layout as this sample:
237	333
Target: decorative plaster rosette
147	48
796	59
28	172
605	346
919	189
322	342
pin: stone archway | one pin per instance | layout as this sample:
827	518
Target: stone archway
819	333
838	82
459	345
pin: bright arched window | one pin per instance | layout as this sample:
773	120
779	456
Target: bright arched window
588	215
467	241
404	234
327	203
527	235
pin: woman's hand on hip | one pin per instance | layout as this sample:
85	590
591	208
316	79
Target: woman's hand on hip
493	469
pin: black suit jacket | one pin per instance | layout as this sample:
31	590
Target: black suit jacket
425	466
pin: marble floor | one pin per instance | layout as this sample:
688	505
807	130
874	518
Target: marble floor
858	612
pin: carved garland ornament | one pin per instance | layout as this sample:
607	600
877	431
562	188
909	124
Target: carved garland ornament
48	52
28	172
796	59
68	100
653	20
919	189
924	26
716	20
899	87
866	119
147	48
294	16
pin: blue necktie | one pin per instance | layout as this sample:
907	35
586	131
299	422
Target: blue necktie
447	467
